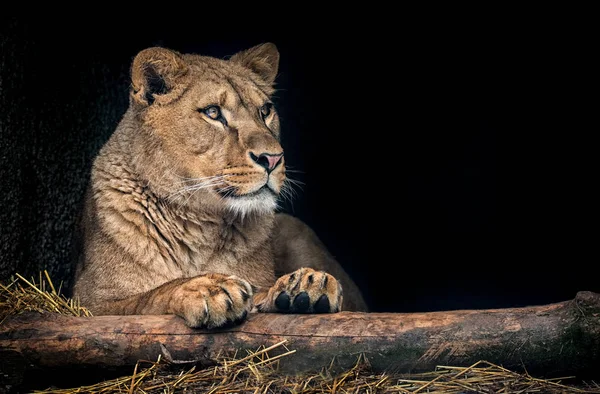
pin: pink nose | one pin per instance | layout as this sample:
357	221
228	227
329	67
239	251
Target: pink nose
267	160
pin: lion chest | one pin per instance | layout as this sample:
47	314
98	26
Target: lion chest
225	248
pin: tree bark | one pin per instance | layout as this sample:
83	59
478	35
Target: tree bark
550	340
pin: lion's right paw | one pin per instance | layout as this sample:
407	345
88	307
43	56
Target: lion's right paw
212	300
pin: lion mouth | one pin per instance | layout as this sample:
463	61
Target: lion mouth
262	190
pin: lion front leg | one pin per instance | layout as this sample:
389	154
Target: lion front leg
205	301
302	291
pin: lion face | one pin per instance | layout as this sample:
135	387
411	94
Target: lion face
211	132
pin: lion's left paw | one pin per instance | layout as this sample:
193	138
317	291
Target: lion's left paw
304	291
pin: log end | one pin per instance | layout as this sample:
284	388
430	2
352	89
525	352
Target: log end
588	302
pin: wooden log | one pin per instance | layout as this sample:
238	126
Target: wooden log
551	340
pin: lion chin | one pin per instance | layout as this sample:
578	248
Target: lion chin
261	201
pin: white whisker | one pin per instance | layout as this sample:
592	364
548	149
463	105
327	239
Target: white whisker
226	192
202	180
288	192
197	185
294	182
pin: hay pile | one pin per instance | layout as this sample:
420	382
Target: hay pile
257	372
22	295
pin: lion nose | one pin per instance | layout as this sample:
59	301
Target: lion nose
267	160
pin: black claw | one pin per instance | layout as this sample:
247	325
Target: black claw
301	303
236	322
296	286
325	280
282	302
245	295
241	318
322	304
229	300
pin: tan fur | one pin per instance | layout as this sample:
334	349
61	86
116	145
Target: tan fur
179	215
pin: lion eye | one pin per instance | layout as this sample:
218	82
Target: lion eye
265	110
213	112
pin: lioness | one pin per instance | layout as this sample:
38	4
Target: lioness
180	215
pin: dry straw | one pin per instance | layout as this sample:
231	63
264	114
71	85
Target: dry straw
257	372
22	295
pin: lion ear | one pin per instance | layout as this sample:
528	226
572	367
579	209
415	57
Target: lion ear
158	74
262	59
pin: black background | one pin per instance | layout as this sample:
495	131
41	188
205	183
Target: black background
436	161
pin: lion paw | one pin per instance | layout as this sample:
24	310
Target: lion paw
304	291
212	300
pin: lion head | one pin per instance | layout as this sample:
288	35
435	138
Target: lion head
205	129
